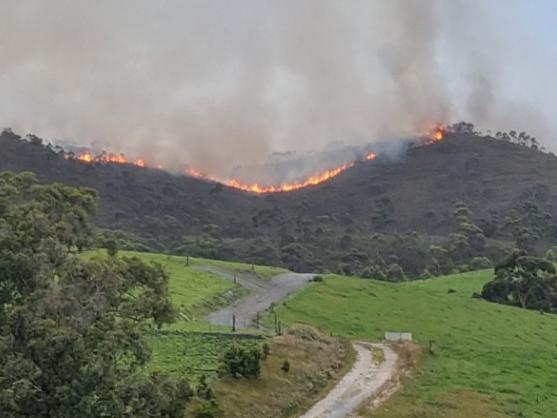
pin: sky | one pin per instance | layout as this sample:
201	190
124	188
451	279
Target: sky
215	84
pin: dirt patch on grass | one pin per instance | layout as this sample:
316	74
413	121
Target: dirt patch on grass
316	361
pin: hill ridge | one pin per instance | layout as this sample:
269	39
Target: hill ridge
507	187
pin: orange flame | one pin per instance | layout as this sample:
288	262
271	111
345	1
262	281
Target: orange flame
435	135
289	187
89	158
86	157
285	187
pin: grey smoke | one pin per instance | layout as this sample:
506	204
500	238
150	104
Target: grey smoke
220	85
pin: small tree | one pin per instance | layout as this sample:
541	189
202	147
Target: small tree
478	263
395	273
266	350
241	362
111	247
207	409
204	390
525	281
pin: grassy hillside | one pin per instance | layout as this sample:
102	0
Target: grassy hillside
486	356
191	345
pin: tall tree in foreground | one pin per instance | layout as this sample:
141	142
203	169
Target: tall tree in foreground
71	340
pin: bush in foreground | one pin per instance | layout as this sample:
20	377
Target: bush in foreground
241	362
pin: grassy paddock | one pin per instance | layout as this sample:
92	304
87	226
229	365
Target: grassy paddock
264	272
502	358
196	292
317	361
191	346
193	353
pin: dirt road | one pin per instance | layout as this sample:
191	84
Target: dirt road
263	294
367	379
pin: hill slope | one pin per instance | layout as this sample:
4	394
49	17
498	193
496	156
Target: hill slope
507	187
486	356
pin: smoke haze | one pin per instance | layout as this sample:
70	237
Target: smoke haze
218	84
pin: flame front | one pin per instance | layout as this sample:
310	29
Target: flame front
289	187
110	158
281	188
435	135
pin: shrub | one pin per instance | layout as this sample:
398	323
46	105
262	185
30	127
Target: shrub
551	254
204	391
373	272
395	273
241	362
478	263
426	274
207	409
308	333
266	350
318	278
111	247
463	268
285	366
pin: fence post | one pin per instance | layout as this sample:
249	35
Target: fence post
233	323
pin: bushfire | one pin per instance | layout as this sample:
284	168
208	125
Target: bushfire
110	158
435	135
285	187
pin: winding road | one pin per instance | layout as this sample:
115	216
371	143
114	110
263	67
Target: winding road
367	380
263	294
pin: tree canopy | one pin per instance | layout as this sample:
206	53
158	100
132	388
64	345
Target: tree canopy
71	329
525	281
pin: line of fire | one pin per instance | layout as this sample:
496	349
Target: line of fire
88	157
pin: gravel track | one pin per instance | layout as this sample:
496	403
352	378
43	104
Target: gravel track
366	380
263	294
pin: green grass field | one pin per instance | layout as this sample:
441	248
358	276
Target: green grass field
193	353
191	345
194	292
504	352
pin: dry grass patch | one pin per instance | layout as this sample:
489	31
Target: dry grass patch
410	356
316	363
458	404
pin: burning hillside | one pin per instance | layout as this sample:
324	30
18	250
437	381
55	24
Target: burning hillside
414	193
285	187
88	157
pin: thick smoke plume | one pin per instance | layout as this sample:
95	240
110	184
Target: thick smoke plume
219	84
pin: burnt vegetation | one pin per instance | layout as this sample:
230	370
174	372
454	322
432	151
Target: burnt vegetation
456	205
